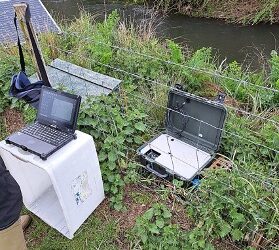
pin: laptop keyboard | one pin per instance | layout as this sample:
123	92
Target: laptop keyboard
46	134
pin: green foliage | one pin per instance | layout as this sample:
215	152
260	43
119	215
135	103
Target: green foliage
202	61
234	204
249	87
105	33
154	230
116	129
244	135
267	12
29	114
251	12
274	74
8	68
96	232
232	208
227	203
176	52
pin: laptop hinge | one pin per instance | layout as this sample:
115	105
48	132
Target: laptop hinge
54	126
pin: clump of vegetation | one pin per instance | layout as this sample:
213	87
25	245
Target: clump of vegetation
7	69
154	230
116	127
232	204
245	12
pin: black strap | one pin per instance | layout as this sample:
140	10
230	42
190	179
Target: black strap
21	56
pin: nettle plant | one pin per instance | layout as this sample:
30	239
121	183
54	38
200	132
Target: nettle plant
154	230
117	128
241	204
234	206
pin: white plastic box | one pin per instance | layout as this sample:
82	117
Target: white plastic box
63	190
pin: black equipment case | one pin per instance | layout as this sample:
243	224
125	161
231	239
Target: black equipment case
192	137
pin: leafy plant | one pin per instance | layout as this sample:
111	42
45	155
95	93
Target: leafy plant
232	208
226	204
201	59
154	230
117	129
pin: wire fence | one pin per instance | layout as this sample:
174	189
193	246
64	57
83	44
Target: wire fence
200	155
171	151
170	109
198	168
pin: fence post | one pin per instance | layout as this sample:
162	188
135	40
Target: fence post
24	18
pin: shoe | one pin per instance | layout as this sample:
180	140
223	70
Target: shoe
25	221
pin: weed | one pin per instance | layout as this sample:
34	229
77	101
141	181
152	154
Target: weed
233	10
115	128
154	230
141	198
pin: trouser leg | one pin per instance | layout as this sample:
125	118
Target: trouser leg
12	238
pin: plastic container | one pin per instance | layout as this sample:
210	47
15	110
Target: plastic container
63	190
192	137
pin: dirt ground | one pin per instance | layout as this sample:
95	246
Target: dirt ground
13	120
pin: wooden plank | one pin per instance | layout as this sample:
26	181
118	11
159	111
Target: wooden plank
24	18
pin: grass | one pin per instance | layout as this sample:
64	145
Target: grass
245	12
95	233
3	131
123	121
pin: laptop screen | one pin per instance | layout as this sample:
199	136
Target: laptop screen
58	108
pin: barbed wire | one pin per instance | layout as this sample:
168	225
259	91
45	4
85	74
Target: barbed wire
156	104
202	70
163	85
251	114
250	174
144	99
191	166
169	109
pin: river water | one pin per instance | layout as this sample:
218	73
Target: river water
245	44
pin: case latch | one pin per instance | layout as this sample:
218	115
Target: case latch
221	97
179	87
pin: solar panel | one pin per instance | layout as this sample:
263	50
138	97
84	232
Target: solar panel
40	18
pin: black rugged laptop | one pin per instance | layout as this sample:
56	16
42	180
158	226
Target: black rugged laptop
55	124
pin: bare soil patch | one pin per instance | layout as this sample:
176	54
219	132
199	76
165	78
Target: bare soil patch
213	89
13	120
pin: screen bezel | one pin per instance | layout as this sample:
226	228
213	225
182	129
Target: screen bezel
64	126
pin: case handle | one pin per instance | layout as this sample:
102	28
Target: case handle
220	97
149	168
17	157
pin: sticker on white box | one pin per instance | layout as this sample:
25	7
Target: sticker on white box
81	188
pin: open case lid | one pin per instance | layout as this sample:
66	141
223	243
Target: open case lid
195	120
